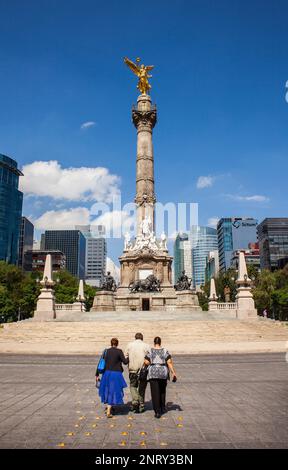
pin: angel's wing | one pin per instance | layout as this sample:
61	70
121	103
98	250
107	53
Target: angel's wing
149	67
131	65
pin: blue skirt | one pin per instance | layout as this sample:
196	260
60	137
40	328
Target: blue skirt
111	388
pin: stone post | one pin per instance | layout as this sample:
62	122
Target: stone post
144	118
213	296
45	309
79	305
244	297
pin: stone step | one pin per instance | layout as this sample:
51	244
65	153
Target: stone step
183	336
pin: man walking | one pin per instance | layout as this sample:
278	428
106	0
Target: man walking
136	352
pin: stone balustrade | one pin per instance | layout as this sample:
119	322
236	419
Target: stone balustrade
64	306
226	306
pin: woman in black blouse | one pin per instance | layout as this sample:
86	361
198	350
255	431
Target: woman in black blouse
112	382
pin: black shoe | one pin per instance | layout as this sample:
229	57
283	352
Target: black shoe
164	410
157	415
134	409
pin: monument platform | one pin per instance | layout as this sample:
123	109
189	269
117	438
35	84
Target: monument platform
183	333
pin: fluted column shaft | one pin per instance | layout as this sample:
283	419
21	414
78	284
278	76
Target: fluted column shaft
144	118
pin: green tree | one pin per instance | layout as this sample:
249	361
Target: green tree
89	292
18	293
66	287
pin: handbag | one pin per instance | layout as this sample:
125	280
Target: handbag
102	363
143	372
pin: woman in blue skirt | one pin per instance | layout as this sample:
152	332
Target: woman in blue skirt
112	382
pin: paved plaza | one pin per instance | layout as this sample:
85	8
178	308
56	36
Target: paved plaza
219	401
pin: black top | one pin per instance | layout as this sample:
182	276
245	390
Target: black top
114	358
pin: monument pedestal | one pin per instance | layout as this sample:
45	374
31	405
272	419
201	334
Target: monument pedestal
187	300
245	304
137	265
104	301
45	309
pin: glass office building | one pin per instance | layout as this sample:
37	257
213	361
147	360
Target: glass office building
25	244
273	242
72	243
203	240
96	253
182	256
212	265
11	200
234	233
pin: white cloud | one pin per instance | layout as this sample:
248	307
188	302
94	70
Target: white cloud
88	124
116	222
212	221
48	178
204	182
113	268
115	219
63	220
254	198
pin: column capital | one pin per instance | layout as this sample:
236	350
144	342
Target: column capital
145	118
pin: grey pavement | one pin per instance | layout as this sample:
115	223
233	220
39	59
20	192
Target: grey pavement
225	401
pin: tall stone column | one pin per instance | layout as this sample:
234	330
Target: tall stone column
144	118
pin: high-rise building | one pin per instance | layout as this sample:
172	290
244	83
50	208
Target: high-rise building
203	240
38	258
252	256
25	244
10	209
273	242
72	244
96	252
182	256
234	233
212	265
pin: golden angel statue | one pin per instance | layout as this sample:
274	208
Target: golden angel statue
142	73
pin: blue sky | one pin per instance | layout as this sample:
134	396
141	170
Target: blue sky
219	84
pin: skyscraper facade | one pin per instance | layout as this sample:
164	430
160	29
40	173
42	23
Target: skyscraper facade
72	243
39	257
25	244
96	252
234	233
10	209
203	240
182	256
212	265
273	242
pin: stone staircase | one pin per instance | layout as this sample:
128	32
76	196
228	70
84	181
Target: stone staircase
195	335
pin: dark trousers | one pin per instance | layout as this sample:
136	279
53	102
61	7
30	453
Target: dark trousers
137	389
158	394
